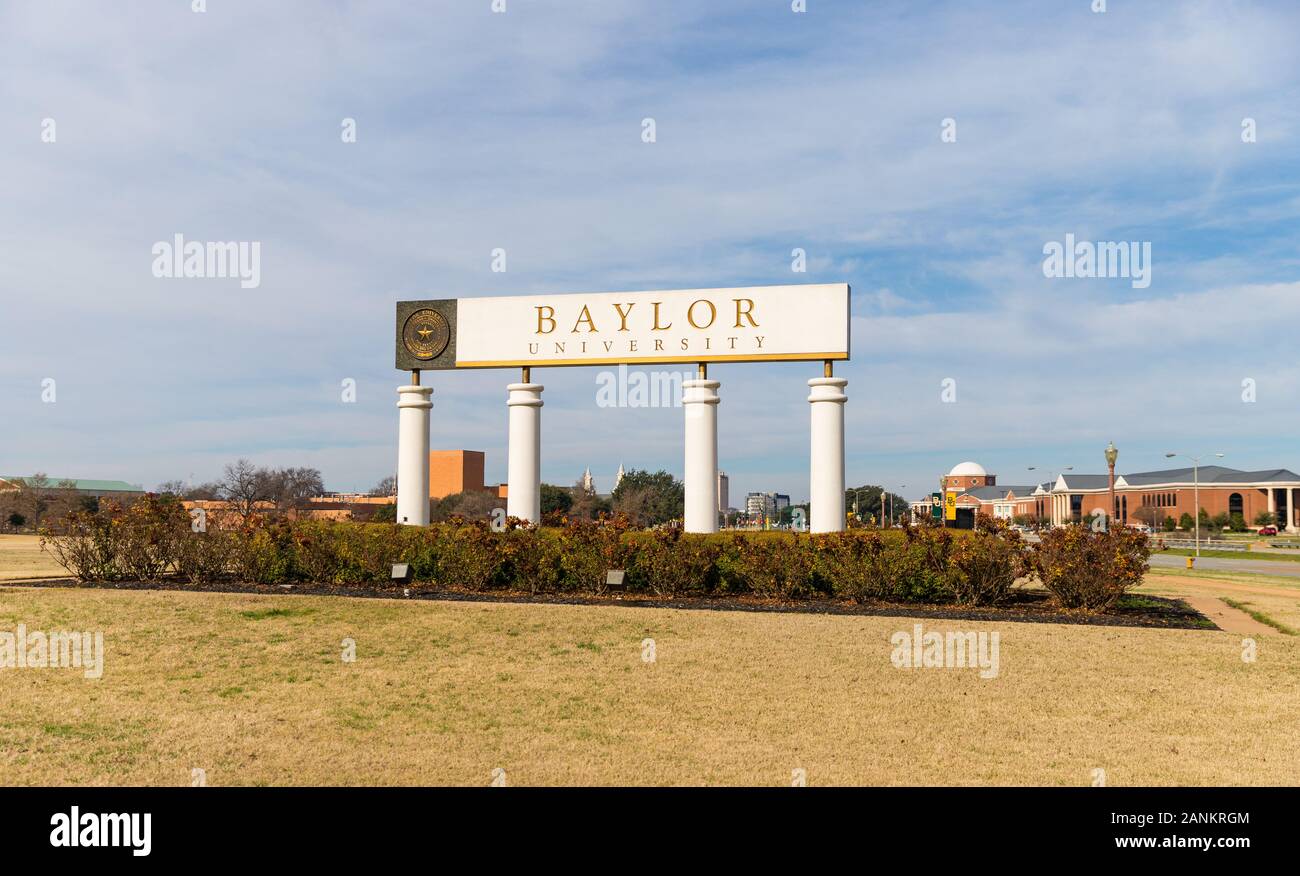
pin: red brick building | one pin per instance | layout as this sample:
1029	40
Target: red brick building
1164	493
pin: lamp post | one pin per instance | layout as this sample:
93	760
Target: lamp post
1196	491
1112	454
901	487
855	503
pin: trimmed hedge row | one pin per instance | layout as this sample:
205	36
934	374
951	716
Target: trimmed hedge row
154	538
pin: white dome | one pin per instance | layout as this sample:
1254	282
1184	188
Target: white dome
972	469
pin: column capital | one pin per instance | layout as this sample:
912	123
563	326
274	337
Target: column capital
828	389
700	392
525	394
412	396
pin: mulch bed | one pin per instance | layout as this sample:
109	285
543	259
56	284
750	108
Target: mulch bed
1024	606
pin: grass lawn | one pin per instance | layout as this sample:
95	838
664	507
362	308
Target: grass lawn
1276	597
21	557
253	690
1261	554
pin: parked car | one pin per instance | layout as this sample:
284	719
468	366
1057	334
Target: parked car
1268	530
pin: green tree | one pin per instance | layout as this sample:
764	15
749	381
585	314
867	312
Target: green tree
649	499
556	499
1186	522
1170	524
1237	523
1266	518
874	501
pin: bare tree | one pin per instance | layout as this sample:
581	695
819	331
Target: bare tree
205	490
244	485
386	487
290	488
471	504
209	490
634	503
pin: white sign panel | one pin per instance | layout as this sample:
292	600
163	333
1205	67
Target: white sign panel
746	324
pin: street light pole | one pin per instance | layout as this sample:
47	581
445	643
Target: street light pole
1051	485
891	503
1196	492
1112	454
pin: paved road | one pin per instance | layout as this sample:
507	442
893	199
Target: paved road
1223	564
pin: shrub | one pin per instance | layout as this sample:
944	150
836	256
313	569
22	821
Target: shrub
775	567
88	545
1091	570
670	563
588	551
469	555
154	539
857	566
532	561
984	567
206	557
920	572
264	551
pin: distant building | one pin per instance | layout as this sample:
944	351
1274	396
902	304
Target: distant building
78	486
588	483
724	492
1139	496
459	471
618	478
763	504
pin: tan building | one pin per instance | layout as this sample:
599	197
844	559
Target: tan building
459	471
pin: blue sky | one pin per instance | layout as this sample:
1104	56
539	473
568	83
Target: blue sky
775	130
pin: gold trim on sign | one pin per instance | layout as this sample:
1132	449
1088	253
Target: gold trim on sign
665	360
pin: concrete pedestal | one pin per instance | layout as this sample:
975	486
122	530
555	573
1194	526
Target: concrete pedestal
413	405
700	399
524	491
826	466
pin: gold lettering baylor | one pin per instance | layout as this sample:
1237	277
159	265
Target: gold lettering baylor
745	317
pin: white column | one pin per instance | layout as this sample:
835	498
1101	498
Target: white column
524	489
1272	505
700	398
1291	494
826	465
413	406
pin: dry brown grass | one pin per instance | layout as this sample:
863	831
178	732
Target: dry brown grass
21	557
1274	595
443	693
